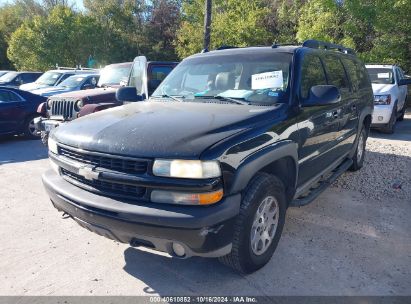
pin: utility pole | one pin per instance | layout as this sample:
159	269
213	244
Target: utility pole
207	24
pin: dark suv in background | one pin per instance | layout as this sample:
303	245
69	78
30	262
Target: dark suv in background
140	74
210	163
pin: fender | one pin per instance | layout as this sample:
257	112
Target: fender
42	109
91	108
258	160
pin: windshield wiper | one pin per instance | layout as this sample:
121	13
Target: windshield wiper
232	100
174	97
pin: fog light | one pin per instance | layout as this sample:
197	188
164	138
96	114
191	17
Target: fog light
178	250
380	118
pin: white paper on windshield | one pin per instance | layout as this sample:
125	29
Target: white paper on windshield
236	93
55	76
79	79
268	80
383	75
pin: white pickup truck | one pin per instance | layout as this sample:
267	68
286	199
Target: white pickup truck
390	94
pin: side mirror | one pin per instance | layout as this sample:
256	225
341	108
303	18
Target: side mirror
128	94
321	95
404	81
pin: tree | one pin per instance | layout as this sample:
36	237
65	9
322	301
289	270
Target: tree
65	37
235	22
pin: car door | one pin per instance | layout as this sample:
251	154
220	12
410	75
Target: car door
138	76
348	111
318	125
12	111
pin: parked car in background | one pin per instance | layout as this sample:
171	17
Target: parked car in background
389	85
2	72
17	112
54	77
71	84
66	107
16	79
209	164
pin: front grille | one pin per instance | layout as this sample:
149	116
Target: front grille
124	165
112	189
63	108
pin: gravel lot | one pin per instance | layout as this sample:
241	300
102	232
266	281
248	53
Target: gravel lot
353	240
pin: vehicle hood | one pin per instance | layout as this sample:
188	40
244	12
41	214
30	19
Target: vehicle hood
379	88
32	86
48	91
89	93
160	129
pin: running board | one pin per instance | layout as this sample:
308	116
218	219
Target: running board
322	185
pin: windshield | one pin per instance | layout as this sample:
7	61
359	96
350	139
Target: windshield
260	78
381	75
113	75
48	78
72	81
8	77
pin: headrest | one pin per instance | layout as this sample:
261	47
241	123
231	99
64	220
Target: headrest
225	81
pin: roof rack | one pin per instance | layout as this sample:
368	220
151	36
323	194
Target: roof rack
226	47
78	67
316	44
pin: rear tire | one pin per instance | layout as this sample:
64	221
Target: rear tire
259	225
30	131
358	158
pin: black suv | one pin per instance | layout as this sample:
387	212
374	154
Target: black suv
210	163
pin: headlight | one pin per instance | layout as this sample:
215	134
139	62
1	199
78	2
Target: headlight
382	99
186	168
52	145
79	104
181	198
49	103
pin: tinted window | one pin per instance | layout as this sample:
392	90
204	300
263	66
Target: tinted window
354	73
65	76
160	72
363	75
335	72
7	96
312	74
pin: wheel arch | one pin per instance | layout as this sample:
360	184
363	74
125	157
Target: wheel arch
279	159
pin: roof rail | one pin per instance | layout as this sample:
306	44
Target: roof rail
316	44
78	67
226	47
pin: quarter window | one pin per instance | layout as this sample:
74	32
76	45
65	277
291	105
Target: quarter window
312	74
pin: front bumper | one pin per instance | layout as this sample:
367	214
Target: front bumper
45	124
381	115
202	231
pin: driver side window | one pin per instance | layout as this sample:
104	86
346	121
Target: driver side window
312	74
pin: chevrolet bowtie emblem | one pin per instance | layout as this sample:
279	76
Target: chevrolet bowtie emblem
88	173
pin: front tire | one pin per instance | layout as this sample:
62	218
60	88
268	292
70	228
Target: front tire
44	138
390	127
401	117
259	225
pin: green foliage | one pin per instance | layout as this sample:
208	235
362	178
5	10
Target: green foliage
65	38
234	22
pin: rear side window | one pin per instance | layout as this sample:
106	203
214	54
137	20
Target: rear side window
160	72
353	73
364	80
7	96
312	74
335	72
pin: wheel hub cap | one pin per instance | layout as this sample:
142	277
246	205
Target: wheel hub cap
264	225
